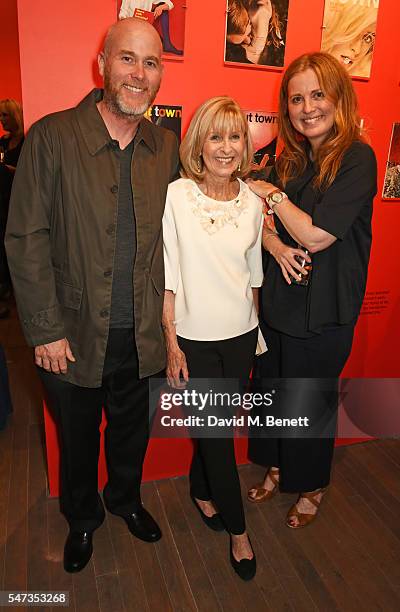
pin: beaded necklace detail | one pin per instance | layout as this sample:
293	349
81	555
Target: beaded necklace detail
214	214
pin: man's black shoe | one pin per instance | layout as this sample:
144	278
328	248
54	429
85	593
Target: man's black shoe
142	525
77	550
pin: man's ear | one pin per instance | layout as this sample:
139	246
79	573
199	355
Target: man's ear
101	61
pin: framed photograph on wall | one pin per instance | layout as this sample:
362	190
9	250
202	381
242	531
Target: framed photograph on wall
391	185
263	128
166	116
167	17
255	33
348	33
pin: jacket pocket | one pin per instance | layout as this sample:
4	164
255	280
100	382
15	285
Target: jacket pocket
158	284
69	296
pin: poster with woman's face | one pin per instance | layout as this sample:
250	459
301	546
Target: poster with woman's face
391	185
255	34
168	17
349	33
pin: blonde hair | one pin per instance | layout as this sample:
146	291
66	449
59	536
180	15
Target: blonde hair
14	109
344	25
338	88
219	114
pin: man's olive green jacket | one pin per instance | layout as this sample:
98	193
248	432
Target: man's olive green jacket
61	236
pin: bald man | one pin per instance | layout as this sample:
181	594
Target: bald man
84	244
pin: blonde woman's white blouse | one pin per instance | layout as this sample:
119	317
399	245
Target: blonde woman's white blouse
212	257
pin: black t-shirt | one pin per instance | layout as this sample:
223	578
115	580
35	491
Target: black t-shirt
339	275
125	247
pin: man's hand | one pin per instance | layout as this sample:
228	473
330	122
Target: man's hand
53	357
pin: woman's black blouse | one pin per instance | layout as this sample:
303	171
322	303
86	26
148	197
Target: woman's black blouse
336	290
11	156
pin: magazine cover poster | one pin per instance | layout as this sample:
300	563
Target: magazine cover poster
391	186
255	33
348	33
263	128
167	17
166	116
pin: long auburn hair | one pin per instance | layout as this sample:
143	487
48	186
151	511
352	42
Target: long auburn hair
337	86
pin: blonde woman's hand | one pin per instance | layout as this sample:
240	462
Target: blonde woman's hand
176	369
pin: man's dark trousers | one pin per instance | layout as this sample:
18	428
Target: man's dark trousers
78	412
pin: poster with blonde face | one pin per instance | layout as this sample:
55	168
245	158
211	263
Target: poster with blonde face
348	33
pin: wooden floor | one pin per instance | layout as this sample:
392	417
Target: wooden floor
349	559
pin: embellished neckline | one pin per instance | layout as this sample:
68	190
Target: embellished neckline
215	214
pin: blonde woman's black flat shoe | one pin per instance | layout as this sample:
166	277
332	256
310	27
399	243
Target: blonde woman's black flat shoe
245	568
214	522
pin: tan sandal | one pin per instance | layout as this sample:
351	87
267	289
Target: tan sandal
261	493
303	518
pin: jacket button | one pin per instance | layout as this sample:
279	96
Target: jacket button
110	229
107	273
114	189
104	313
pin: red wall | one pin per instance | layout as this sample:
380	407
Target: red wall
59	42
10	76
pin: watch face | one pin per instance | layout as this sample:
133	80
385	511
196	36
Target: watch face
277	197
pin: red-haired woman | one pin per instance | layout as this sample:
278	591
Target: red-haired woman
321	198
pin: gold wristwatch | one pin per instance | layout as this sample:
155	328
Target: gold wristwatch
275	197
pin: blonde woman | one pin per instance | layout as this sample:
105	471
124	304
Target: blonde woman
11	120
212	252
11	143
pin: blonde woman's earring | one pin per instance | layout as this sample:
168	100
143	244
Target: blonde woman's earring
199	164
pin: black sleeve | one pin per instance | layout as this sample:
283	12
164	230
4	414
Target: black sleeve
353	188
